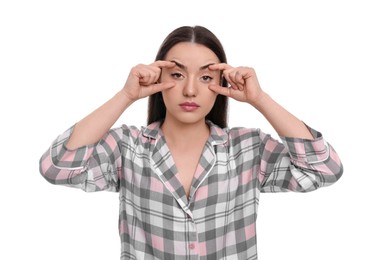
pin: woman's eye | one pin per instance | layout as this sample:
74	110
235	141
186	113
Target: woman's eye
176	75
206	78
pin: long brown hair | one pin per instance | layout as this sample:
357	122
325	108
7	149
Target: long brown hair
203	36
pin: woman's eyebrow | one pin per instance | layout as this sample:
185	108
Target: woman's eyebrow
181	66
206	66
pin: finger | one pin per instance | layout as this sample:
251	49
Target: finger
233	85
220	90
229	73
152	72
154	88
220	66
161	86
236	78
147	76
239	79
163	64
140	72
226	71
230	77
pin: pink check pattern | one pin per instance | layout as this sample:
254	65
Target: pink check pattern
218	219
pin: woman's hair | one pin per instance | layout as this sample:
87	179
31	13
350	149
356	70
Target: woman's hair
199	35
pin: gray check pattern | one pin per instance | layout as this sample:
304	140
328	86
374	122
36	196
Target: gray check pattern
217	221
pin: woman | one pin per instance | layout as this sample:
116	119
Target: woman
189	186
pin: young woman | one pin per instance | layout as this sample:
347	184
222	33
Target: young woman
189	186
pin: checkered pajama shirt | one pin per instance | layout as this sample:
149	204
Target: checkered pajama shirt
218	218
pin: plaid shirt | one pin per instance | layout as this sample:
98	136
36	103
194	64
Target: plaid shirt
217	221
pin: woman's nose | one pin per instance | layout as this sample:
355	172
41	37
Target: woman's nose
190	89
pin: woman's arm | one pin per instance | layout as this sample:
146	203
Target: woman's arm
244	87
88	155
90	129
284	123
141	83
304	161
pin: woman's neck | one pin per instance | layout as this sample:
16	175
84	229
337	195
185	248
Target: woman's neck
183	133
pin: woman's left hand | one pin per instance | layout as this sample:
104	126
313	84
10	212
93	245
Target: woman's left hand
243	83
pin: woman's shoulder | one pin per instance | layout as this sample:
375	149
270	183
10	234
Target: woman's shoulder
151	131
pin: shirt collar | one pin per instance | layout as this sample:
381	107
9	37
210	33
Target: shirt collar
217	134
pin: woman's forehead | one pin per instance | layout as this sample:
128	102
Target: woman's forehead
188	55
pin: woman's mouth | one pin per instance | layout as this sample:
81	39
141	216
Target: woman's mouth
189	106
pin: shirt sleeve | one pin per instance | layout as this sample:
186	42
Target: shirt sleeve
91	168
297	164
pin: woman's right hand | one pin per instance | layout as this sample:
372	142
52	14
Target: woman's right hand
143	80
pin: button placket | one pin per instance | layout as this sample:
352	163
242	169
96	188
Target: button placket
193	238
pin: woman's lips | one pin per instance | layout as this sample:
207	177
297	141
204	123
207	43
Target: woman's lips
189	106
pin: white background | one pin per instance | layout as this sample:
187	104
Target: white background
322	60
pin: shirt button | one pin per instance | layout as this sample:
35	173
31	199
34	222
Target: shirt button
192	246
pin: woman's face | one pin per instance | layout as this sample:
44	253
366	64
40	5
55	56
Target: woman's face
191	99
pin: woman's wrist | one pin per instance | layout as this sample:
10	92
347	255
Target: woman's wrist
261	102
125	98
